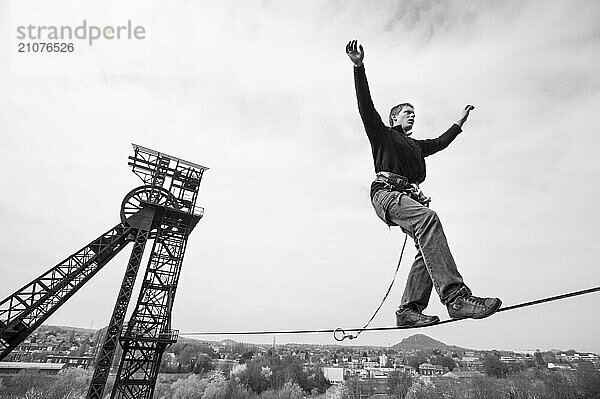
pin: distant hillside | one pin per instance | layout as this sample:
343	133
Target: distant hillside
424	343
68	328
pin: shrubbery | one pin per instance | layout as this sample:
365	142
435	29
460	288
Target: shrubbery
261	377
274	378
584	383
216	386
67	384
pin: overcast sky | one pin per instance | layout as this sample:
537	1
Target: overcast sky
262	93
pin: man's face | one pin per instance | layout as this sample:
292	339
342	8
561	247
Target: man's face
406	118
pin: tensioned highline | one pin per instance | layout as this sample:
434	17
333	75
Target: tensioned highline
335	331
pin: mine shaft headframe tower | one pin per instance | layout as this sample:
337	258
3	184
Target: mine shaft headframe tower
181	179
174	183
163	209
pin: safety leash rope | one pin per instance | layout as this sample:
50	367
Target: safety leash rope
354	336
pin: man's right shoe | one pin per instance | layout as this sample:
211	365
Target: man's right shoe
408	317
472	307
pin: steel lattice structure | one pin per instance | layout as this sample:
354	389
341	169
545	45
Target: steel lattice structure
163	209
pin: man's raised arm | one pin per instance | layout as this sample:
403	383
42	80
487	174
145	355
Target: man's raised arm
371	119
431	146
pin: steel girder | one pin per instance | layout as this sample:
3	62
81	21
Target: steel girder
25	310
105	357
148	333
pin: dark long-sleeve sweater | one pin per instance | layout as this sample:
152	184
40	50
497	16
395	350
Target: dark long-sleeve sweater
393	151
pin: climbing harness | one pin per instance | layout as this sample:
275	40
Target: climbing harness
400	183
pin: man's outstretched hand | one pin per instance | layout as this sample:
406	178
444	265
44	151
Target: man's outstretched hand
464	114
355	52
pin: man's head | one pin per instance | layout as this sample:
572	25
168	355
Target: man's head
403	115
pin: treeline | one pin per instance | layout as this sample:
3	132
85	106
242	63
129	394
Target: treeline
216	386
192	357
491	361
74	383
67	384
254	373
533	383
264	376
254	377
270	371
433	356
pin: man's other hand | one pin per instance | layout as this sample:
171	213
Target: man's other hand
465	114
355	52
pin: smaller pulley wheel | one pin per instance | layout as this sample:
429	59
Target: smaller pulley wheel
142	196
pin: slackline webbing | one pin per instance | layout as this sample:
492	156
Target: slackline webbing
343	331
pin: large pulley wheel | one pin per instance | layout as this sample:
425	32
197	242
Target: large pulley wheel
143	196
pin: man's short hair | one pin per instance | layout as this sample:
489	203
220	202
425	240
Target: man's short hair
396	110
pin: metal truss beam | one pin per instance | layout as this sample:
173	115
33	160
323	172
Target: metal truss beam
148	333
22	312
107	352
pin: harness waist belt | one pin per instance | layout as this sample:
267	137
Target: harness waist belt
400	183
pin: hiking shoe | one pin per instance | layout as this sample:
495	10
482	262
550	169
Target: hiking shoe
473	307
408	317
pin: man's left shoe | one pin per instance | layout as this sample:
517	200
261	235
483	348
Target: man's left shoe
408	317
473	307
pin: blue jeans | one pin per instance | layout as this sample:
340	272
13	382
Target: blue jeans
433	266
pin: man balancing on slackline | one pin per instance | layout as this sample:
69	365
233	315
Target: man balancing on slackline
397	199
